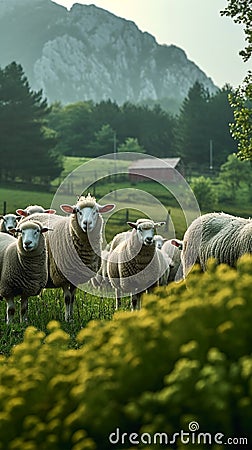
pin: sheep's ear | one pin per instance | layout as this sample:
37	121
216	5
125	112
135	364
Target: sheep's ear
45	229
68	209
158	224
177	243
22	212
132	225
50	211
106	208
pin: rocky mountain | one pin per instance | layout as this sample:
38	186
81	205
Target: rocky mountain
89	53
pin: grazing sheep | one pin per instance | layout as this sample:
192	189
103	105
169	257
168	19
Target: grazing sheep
74	248
34	209
218	235
8	222
23	266
172	248
135	264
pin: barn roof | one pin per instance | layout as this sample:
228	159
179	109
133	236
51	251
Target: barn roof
154	163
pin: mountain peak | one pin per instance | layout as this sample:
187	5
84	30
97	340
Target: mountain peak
89	53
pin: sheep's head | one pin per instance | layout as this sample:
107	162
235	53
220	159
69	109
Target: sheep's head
145	230
34	209
30	233
10	221
159	241
87	211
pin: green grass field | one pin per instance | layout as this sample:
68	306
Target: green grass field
50	306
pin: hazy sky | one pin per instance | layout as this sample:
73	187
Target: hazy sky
213	42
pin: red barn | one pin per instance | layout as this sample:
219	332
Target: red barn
154	168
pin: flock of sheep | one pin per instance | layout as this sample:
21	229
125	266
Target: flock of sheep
41	249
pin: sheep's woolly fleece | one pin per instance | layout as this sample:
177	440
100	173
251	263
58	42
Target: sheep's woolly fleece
218	235
133	267
74	256
21	272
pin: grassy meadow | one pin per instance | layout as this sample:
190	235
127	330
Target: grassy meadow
50	306
131	204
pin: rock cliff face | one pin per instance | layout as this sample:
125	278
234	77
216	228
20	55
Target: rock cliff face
89	53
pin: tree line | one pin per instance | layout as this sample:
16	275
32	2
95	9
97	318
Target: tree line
27	144
34	136
88	129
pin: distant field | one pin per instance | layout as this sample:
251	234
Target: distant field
82	175
131	200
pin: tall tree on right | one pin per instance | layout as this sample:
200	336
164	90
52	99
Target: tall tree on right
241	101
192	135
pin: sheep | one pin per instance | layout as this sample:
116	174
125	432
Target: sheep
218	235
118	238
8	222
74	249
23	266
34	209
159	241
172	248
135	264
100	280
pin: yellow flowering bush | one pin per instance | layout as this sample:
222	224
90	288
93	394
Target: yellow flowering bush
186	356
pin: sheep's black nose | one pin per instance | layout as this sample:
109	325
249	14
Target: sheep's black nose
27	244
148	240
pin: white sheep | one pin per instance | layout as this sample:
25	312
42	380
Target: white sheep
8	222
74	248
100	280
135	264
172	249
34	209
218	235
159	241
23	266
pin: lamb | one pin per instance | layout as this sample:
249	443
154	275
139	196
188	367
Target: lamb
218	235
8	222
159	241
136	265
34	209
23	266
74	249
172	249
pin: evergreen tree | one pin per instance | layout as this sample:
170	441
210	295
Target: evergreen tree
220	115
103	143
75	126
26	144
192	135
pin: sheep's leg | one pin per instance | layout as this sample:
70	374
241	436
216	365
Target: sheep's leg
118	298
135	302
69	301
23	309
10	310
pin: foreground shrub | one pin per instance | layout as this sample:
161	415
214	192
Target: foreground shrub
182	363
